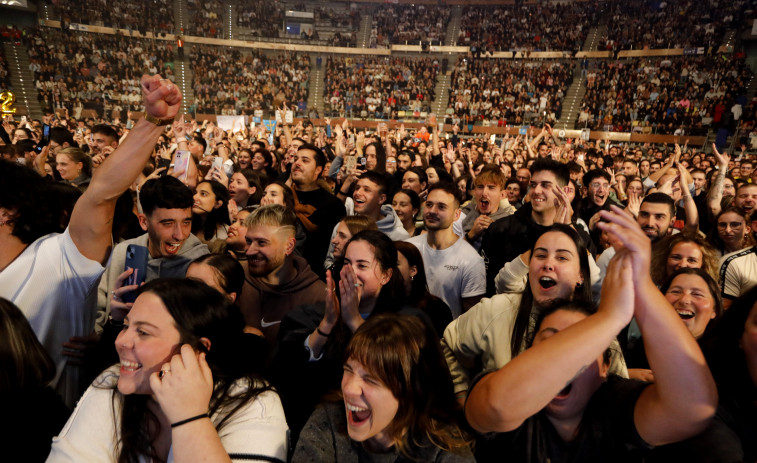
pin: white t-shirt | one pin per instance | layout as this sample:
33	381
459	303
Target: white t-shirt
453	273
258	428
55	287
738	272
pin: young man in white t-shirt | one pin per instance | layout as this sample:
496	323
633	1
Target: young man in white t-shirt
454	270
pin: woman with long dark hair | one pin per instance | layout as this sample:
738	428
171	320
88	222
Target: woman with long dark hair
495	330
210	211
312	339
182	390
396	399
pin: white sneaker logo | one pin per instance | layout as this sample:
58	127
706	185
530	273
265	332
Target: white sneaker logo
265	324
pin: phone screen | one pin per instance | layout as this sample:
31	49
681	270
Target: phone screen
181	164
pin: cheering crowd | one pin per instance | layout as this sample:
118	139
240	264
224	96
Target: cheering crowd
198	293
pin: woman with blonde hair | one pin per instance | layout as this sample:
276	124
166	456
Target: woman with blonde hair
682	251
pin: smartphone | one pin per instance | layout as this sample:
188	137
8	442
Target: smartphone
361	162
289	116
45	132
218	162
136	258
352	139
349	163
492	138
181	164
163	162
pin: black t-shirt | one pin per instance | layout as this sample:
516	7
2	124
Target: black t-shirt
607	432
329	211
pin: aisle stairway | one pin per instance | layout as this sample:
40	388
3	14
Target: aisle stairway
180	16
453	28
183	73
441	93
22	81
364	34
572	101
594	37
315	86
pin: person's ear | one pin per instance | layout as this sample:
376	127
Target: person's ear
413	271
382	199
205	342
142	221
232	297
219	203
291	242
386	277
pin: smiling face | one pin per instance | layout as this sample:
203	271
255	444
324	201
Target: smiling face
369	405
258	162
235	238
691	298
403	208
569	404
684	255
205	200
243	159
268	247
67	168
167	230
362	257
554	271
367	198
598	191
654	219
149	339
746	198
540	187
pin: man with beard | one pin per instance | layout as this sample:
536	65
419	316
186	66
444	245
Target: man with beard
276	280
317	210
454	271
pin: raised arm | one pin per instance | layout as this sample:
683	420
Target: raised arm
503	400
689	206
715	195
92	218
683	398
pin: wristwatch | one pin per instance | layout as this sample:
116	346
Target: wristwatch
158	122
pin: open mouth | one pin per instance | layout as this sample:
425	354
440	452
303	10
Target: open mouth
483	204
547	282
173	248
685	314
357	415
127	366
565	392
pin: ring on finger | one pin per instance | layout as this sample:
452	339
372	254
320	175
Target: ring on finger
163	373
115	296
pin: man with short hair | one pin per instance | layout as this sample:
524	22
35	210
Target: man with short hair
597	184
318	210
738	270
511	236
166	218
454	271
700	181
523	176
489	205
276	280
405	160
630	169
51	276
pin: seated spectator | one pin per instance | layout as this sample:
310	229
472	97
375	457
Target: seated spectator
195	382
397	399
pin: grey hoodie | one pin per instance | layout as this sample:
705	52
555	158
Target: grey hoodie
161	267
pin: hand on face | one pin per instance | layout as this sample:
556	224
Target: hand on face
186	385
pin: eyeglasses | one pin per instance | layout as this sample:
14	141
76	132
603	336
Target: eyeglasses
597	185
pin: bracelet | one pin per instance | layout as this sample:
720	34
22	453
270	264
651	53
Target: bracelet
343	193
318	329
189	420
